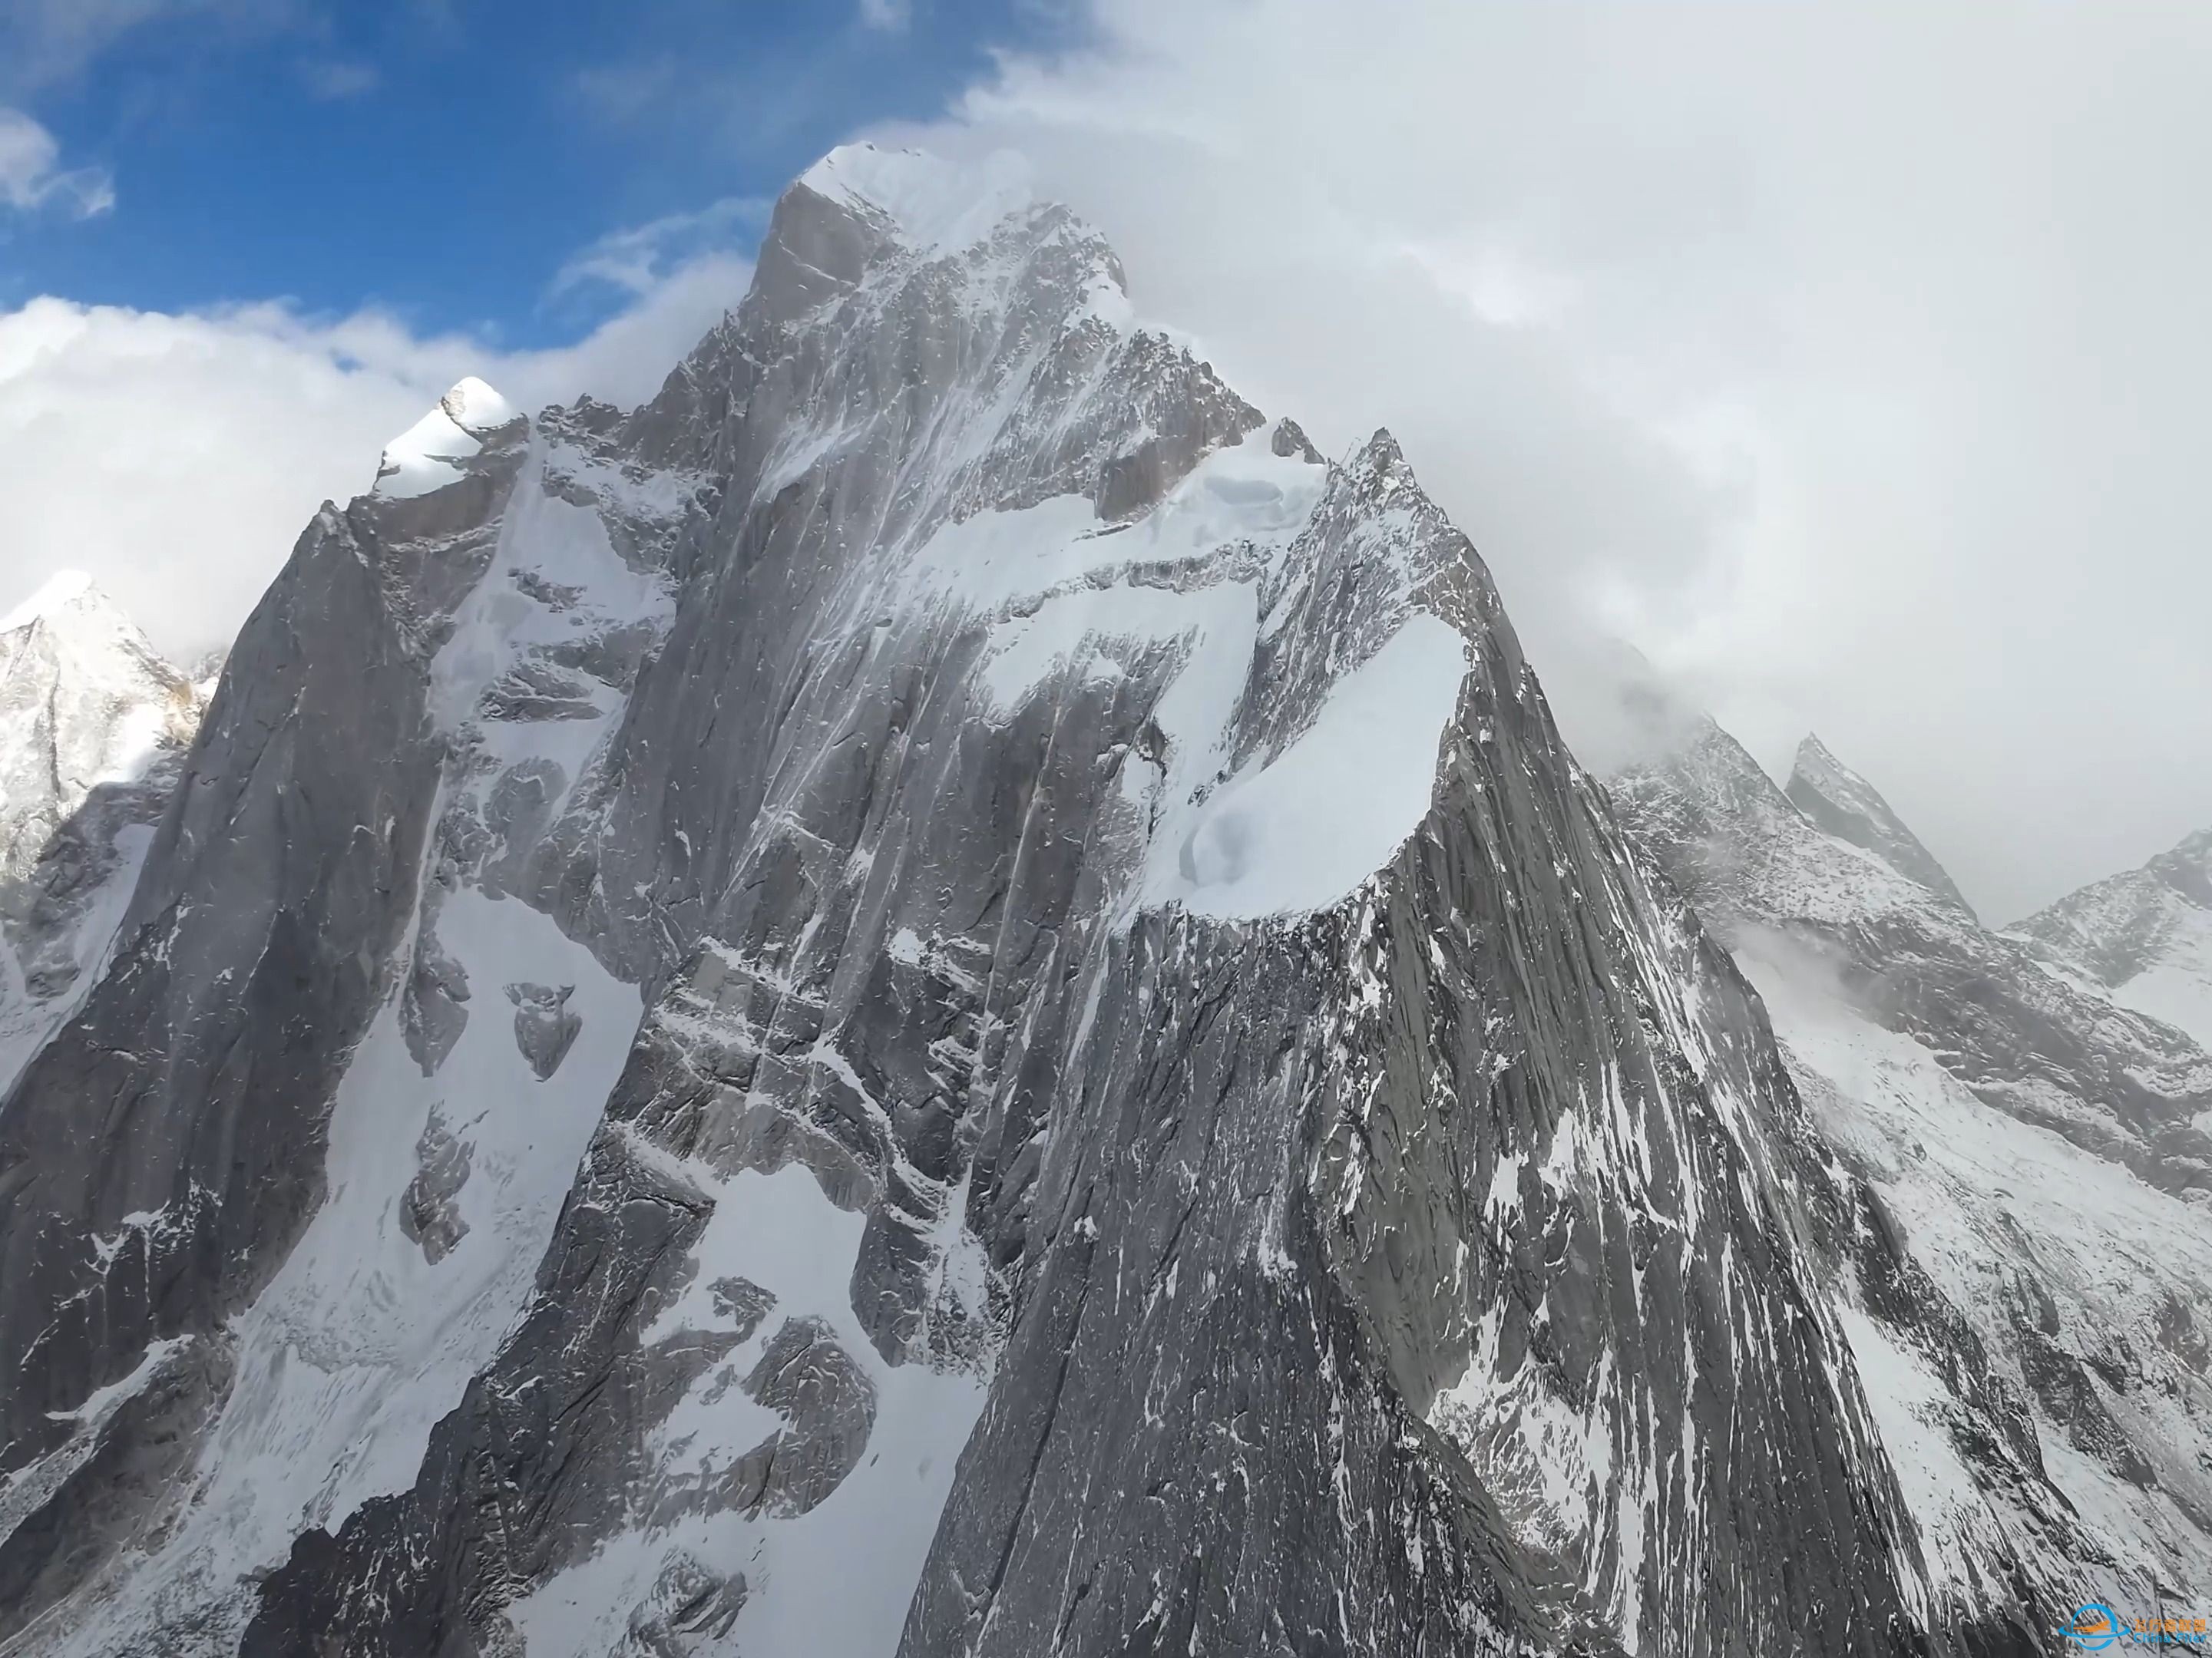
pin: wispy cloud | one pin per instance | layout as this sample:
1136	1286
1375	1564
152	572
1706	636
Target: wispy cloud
640	259
31	176
335	79
891	16
177	455
46	41
622	92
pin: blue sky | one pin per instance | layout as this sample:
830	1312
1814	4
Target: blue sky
444	160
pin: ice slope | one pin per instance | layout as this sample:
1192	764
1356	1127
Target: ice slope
361	1343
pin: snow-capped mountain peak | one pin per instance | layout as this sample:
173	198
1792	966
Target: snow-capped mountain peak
2145	935
62	590
424	458
933	205
2041	1160
85	700
92	721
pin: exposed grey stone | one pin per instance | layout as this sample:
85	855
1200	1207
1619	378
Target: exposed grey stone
545	1028
691	1611
742	1302
828	1405
161	1152
116	1487
539	690
1289	438
428	1214
433	1006
197	1077
1268	1237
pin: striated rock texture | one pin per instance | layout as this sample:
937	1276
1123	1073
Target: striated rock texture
2033	1347
1089	1075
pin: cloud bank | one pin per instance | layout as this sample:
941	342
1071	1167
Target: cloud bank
1848	361
178	457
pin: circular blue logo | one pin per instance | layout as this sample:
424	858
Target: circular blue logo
2093	1628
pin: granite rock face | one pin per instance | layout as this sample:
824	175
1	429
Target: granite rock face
1089	1075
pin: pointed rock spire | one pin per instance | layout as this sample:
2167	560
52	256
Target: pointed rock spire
1845	804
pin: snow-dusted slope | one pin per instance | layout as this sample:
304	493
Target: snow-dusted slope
2038	1362
92	723
937	995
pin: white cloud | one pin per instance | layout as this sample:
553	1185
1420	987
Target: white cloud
46	41
334	80
637	260
177	458
1850	360
891	16
31	176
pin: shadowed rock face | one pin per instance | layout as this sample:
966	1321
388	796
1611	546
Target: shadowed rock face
160	1153
1053	1201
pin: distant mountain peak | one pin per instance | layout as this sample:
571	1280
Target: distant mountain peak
1847	806
63	590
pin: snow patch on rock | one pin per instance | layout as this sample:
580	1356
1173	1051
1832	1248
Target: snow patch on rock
1301	831
803	1596
424	457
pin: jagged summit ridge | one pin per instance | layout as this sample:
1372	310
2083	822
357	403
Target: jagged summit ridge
1846	805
